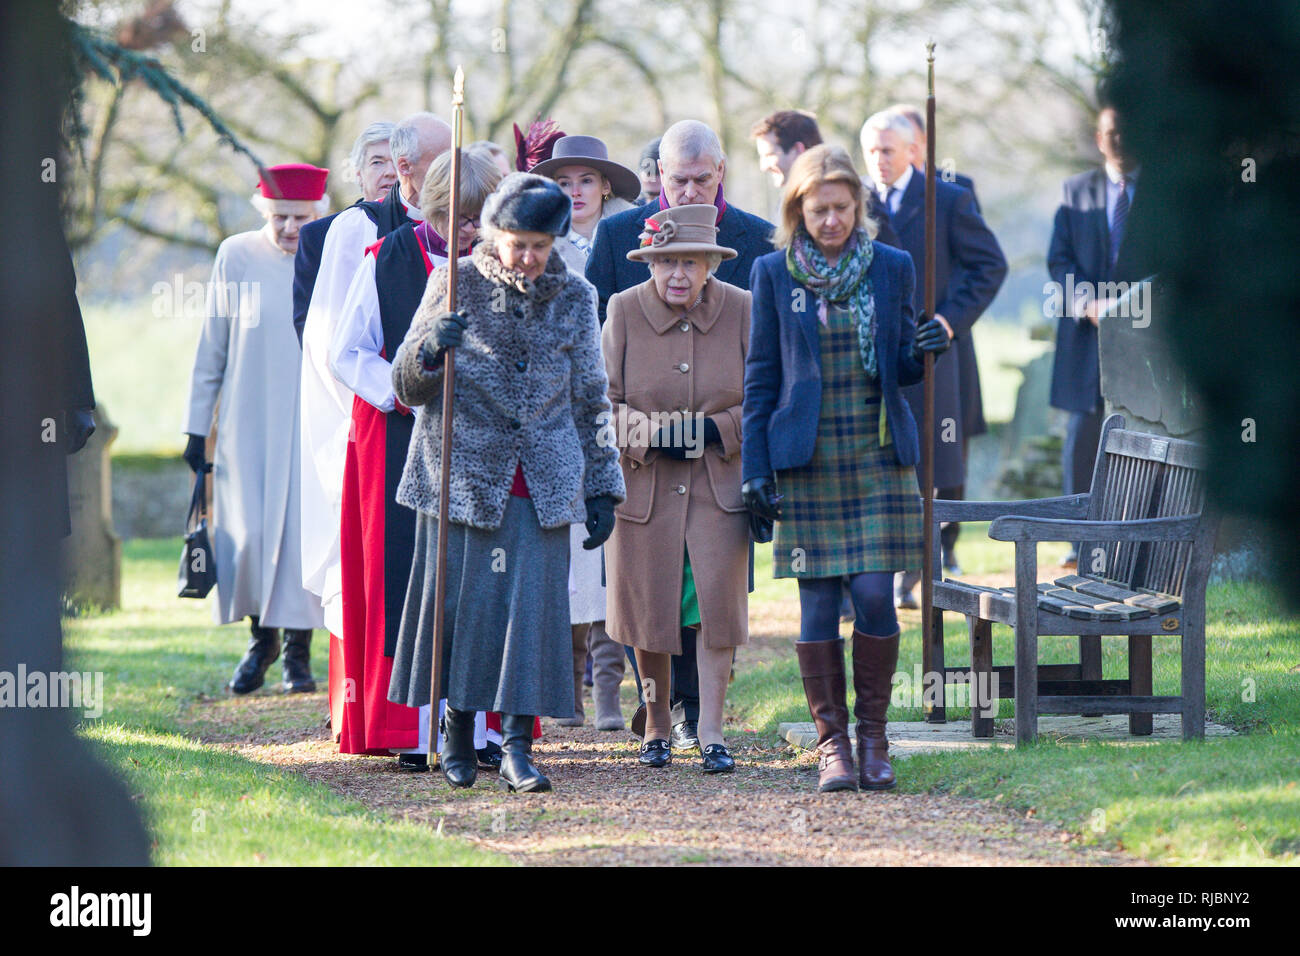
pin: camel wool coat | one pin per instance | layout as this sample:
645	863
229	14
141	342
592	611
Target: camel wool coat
661	361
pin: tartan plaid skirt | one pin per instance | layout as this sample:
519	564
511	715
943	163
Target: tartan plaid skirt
853	507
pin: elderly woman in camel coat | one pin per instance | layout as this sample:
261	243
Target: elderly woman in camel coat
675	350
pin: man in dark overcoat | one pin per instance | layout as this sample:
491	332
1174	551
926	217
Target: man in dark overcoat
969	270
1085	252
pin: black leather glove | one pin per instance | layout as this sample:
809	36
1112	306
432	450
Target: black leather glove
761	529
195	454
600	521
680	439
448	332
79	423
931	336
760	497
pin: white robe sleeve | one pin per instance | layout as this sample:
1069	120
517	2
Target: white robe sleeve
326	413
358	341
214	346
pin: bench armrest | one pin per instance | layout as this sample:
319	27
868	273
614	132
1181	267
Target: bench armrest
1068	506
1018	528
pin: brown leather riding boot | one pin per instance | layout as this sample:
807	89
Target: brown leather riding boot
821	664
874	661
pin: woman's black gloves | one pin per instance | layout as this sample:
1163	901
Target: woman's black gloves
760	497
931	336
448	332
195	454
764	504
600	521
671	440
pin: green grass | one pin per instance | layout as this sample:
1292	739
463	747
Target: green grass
1223	801
206	806
141	363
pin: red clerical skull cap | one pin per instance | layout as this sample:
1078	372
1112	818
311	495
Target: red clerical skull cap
294	181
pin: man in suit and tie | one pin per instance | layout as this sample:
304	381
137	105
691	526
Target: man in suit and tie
972	397
969	270
691	170
1086	248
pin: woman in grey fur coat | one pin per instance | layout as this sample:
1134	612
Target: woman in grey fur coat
529	457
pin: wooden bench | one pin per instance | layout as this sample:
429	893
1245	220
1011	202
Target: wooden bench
1144	562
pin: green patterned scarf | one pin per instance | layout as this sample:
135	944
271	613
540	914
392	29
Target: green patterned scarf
845	283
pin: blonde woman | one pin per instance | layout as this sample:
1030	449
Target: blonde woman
826	426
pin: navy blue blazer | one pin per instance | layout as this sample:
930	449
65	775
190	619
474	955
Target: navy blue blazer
610	271
1080	248
783	378
969	270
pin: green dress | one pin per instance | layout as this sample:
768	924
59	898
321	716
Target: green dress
853	507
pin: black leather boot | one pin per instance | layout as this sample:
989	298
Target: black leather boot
296	667
518	775
263	649
458	760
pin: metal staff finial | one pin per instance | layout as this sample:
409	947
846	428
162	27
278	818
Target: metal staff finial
458	86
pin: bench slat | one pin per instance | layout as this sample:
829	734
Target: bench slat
1156	604
1126	612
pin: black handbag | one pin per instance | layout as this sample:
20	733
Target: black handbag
198	571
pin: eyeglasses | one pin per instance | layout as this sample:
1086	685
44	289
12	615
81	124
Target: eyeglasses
467	221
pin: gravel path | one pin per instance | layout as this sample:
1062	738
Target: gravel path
607	810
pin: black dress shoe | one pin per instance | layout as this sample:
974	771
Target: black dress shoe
413	763
655	753
717	760
685	736
263	650
489	758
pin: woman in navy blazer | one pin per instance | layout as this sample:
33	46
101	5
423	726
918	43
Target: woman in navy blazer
832	340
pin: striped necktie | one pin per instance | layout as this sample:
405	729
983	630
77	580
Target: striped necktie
1117	224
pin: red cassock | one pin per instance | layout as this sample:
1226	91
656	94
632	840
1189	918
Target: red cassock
376	558
371	723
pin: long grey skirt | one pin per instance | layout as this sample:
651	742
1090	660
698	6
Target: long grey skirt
508	645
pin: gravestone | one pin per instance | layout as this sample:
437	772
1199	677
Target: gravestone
92	554
1139	378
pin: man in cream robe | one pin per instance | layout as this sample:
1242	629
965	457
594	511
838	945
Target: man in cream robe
247	360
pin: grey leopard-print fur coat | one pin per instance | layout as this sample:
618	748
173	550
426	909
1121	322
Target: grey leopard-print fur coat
530	388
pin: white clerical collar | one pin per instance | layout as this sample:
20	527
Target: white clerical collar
412	212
